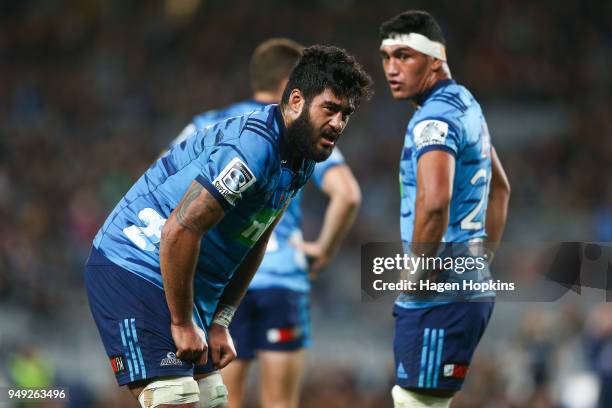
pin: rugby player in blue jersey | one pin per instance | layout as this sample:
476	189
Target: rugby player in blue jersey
454	190
174	258
272	322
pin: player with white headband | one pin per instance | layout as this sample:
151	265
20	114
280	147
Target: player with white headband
454	190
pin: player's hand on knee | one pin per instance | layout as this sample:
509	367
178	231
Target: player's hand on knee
190	343
221	346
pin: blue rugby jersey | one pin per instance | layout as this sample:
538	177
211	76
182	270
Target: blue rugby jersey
240	162
283	265
211	117
449	119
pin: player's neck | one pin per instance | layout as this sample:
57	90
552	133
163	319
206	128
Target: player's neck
430	84
266	97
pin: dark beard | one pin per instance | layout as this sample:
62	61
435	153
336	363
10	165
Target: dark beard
302	139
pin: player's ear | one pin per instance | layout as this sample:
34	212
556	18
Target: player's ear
436	65
296	102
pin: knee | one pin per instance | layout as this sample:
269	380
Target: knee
212	391
403	398
170	391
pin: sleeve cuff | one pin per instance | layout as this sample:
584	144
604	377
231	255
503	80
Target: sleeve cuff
436	147
214	192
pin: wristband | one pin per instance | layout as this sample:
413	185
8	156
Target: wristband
223	316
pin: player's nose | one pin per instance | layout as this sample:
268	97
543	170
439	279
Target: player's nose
337	122
391	68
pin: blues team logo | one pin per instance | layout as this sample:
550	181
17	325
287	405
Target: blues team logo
233	180
430	132
170	359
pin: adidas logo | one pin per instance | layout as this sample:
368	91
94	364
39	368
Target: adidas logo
401	373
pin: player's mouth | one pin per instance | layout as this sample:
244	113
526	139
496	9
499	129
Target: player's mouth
394	85
328	143
329	140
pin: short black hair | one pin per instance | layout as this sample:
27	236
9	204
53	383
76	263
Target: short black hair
322	67
272	62
413	21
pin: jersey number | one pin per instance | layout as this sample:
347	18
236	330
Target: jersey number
145	237
468	222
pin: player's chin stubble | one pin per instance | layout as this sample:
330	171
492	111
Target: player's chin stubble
303	139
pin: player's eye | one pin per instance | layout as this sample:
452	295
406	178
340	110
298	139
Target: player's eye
330	109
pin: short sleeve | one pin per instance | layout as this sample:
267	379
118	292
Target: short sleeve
208	119
187	132
435	134
234	168
321	168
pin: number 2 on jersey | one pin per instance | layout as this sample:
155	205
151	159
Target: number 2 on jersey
468	222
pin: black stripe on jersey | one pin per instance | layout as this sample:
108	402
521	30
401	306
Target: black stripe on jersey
451	99
406	153
168	165
260	121
257	126
469	162
228	122
270	118
455	97
218	137
449	102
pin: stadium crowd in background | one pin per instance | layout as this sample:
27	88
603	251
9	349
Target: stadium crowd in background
93	90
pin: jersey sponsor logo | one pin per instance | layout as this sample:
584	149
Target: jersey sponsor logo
455	370
258	225
233	180
170	359
256	230
430	132
118	364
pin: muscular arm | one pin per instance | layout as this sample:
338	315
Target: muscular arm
435	174
497	208
344	201
195	214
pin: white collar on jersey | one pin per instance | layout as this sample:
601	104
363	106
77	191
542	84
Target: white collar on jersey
417	42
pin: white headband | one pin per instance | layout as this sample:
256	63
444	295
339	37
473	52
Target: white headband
418	42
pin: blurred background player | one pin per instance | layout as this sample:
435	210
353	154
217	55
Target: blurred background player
174	258
272	322
447	168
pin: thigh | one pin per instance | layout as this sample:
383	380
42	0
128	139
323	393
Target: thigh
234	377
282	320
281	374
134	324
434	346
